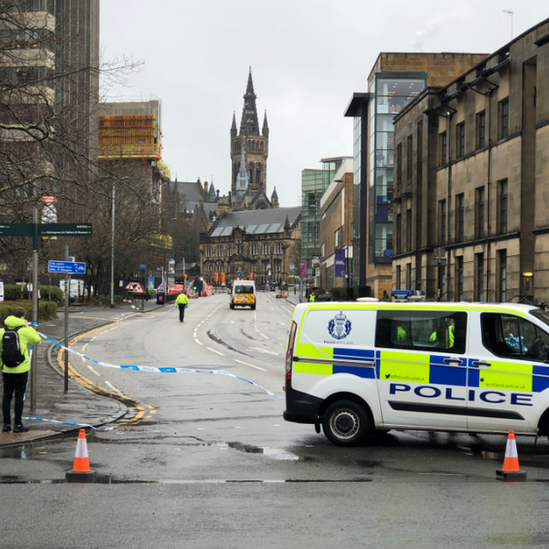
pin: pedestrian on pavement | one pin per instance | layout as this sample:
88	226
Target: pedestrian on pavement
15	378
312	298
182	301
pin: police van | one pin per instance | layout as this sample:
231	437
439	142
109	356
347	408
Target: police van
354	368
243	294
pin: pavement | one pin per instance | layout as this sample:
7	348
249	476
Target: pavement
59	410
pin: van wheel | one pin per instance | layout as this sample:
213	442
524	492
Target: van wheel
345	423
253	307
232	305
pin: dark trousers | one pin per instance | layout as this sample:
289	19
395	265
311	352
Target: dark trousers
181	311
14	383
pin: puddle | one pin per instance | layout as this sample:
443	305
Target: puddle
274	453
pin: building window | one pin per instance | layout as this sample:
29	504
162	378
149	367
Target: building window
479	278
459	278
481	130
408	276
409	158
443	154
502	272
323	249
399	233
409	230
480	205
502	206
337	238
460	135
460	217
399	165
442	222
504	118
398	277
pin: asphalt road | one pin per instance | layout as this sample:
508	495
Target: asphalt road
206	460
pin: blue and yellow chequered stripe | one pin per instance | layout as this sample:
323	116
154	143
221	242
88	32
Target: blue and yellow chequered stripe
333	354
422	368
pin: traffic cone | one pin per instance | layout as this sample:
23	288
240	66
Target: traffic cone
511	469
81	467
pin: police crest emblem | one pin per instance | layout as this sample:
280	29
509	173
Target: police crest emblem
340	326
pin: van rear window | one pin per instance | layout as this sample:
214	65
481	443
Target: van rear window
244	289
430	331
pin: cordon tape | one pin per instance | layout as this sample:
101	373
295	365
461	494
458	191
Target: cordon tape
159	370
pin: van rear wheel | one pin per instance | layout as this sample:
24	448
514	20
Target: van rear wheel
345	423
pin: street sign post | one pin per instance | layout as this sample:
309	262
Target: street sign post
66	267
37	230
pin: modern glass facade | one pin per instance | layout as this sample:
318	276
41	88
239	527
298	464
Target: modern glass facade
313	185
390	93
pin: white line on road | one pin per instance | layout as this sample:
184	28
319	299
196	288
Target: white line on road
251	365
84	348
263	351
214	351
197	341
113	387
96	373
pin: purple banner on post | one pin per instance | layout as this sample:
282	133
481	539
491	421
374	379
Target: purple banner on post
303	268
340	270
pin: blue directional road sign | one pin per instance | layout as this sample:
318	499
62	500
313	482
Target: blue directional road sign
66	267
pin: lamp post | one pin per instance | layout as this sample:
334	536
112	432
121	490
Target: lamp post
112	237
112	245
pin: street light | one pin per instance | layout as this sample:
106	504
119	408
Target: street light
112	239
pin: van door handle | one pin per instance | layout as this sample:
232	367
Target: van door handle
452	360
481	363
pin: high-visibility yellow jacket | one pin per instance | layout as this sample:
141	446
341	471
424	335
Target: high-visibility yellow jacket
27	336
181	299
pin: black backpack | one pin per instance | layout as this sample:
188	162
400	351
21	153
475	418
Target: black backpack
12	356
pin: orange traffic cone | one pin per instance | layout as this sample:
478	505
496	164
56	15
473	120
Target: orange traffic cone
511	469
81	467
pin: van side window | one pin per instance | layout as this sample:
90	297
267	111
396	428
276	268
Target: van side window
513	337
430	331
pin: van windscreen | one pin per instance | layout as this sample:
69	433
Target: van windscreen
244	289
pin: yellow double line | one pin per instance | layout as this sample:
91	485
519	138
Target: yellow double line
141	407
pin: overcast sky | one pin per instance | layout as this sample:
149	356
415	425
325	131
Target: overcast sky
307	56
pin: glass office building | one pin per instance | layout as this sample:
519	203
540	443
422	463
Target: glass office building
313	185
390	92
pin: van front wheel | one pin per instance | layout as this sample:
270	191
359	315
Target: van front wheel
345	423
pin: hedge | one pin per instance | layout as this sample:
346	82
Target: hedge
12	292
47	310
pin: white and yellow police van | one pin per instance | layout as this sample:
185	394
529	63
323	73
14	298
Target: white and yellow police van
243	294
355	368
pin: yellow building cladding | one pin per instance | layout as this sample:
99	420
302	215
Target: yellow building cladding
129	136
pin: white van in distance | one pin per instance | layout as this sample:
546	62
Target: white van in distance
355	368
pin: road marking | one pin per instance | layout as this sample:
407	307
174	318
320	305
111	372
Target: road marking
84	348
263	335
96	373
263	351
251	365
197	341
113	387
93	338
214	351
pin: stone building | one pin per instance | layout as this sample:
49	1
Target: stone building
336	214
395	80
472	180
264	245
249	152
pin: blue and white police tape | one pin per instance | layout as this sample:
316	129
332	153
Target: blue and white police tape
159	370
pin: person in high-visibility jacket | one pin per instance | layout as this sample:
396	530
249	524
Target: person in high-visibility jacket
450	332
312	298
182	301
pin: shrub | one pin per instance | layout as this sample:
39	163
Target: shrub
47	310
